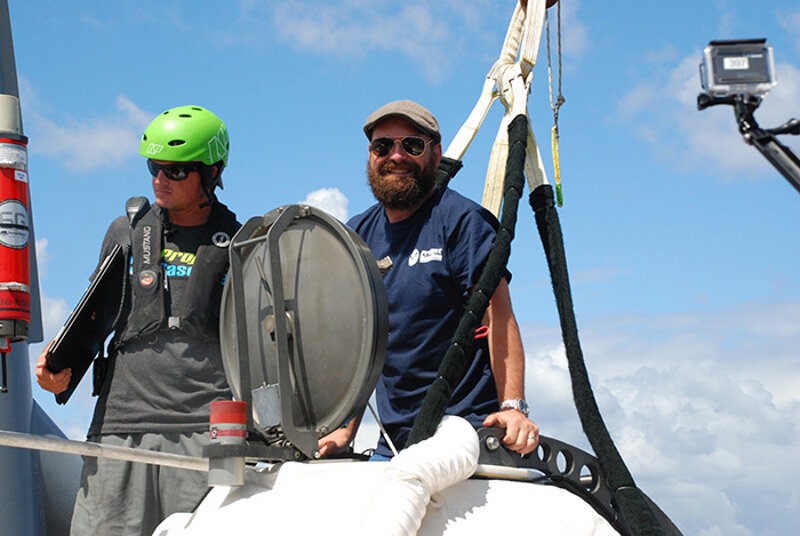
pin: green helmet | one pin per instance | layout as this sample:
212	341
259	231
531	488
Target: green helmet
187	134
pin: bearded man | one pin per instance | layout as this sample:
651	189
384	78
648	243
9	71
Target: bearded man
437	243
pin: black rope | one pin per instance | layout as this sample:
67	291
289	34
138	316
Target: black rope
632	502
462	348
634	506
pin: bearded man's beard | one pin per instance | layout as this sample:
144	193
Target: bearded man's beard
400	194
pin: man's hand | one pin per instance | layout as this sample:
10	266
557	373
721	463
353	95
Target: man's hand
55	382
335	443
522	434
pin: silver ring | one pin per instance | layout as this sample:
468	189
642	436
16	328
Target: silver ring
531	436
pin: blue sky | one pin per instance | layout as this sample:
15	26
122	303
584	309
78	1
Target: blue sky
682	242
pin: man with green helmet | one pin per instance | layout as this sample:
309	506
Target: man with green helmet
164	366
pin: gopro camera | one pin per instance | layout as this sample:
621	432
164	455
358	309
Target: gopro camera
738	67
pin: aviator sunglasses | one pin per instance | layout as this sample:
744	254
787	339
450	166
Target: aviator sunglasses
412	145
177	171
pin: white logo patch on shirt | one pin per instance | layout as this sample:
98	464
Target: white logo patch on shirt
425	256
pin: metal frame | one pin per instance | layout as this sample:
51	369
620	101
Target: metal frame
562	465
303	439
765	140
291	376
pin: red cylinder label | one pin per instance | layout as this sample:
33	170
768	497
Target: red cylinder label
14	230
228	411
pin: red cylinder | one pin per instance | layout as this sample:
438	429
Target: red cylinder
15	300
228	421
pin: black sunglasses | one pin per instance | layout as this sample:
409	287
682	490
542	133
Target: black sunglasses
413	145
175	172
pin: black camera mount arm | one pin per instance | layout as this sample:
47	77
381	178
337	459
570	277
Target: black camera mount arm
765	140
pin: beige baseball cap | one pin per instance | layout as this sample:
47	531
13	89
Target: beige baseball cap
418	115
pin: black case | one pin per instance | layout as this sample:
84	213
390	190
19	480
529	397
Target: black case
90	323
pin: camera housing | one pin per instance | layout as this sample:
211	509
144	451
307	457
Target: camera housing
738	67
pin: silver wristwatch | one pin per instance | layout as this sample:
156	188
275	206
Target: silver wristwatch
517	404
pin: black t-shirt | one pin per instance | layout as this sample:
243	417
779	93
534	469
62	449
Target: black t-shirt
164	382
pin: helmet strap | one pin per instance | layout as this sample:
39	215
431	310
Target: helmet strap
209	182
211	198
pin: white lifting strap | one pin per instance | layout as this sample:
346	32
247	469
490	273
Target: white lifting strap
509	80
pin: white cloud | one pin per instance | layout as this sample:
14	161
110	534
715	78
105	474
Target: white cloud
54	313
703	407
92	21
574	33
357	27
665	54
27	95
90	143
331	200
726	25
432	35
790	21
599	274
664	112
42	256
636	101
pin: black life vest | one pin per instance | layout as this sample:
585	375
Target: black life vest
197	311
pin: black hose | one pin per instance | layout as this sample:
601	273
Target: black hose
448	167
631	501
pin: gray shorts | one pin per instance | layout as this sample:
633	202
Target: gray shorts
126	498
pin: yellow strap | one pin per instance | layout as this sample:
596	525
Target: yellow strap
556	167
